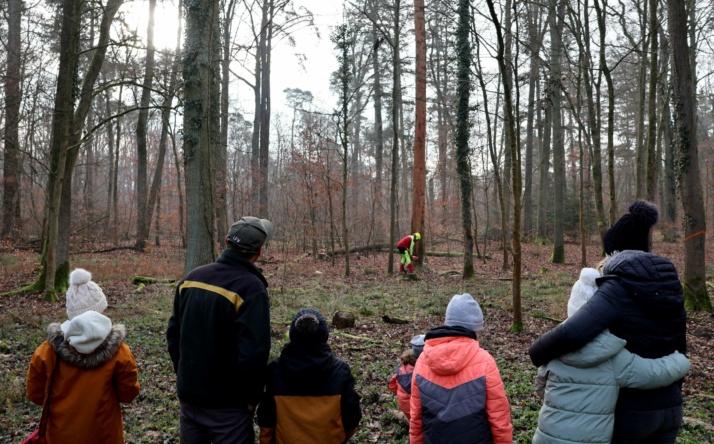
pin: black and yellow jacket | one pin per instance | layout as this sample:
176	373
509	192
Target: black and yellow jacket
219	334
310	398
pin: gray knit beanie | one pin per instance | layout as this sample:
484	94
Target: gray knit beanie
464	311
83	294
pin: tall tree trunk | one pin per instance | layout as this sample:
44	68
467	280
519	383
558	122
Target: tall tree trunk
222	157
490	136
89	167
581	188
344	45
179	191
256	180
558	148
115	168
379	132
157	222
110	149
154	191
419	172
11	159
441	80
359	70
265	114
507	77
61	125
533	50
640	154
594	124
652	160
143	219
669	185
201	126
689	184
396	93
463	129
55	272
544	168
600	10
510	123
75	141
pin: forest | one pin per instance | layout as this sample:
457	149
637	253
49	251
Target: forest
515	122
510	133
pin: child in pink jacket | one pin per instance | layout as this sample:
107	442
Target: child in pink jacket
457	393
401	381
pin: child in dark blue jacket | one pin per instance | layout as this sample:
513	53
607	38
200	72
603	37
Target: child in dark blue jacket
310	395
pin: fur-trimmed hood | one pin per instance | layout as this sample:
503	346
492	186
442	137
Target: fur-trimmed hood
102	354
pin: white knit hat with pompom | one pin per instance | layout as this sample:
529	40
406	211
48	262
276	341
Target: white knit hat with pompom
83	294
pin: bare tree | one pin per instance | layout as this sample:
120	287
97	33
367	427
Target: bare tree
68	125
143	216
343	39
201	128
11	164
510	127
556	40
419	170
689	183
600	9
652	161
463	129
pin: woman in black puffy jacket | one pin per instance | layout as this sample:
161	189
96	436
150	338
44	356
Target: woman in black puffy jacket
639	299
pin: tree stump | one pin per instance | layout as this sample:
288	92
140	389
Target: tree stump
343	320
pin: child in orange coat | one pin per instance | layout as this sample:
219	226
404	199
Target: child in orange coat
95	370
457	393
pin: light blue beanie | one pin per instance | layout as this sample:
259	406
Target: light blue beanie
464	311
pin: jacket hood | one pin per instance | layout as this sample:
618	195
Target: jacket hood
649	279
603	347
101	354
302	362
449	355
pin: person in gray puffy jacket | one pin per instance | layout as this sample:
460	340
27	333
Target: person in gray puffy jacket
580	389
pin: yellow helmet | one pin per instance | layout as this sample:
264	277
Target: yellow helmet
417	236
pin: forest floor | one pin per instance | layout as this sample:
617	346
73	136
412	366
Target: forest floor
372	347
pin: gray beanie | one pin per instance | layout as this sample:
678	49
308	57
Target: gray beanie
464	311
83	294
417	344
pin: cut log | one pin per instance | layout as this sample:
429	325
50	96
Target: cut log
136	280
392	320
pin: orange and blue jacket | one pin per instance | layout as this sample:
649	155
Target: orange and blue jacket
309	398
401	385
457	392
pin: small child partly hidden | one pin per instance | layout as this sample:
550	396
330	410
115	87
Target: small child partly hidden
457	392
580	389
87	369
309	395
401	381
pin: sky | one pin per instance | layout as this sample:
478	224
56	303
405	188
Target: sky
313	76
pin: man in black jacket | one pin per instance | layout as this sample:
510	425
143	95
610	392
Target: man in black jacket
639	299
219	339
